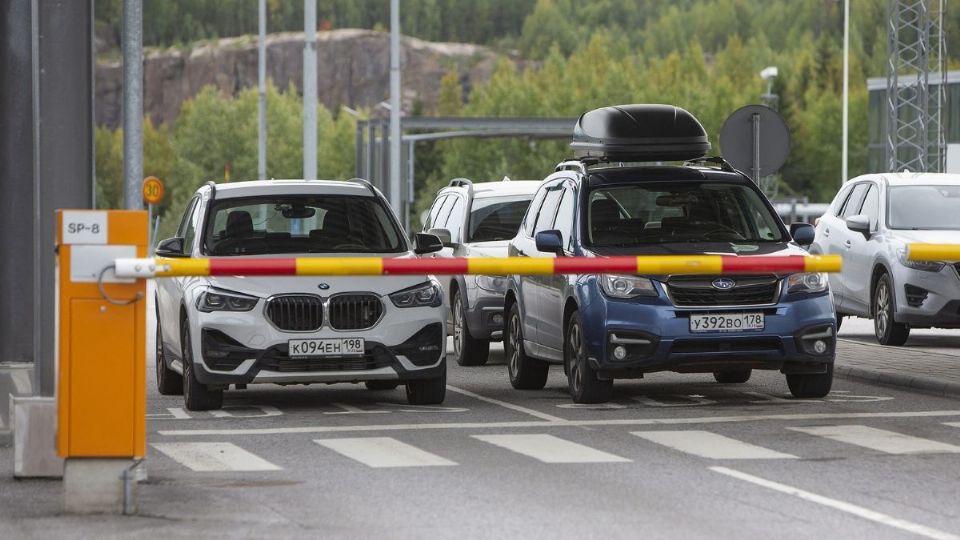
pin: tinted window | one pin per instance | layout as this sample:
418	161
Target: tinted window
548	210
852	206
182	229
191	233
437	204
301	224
532	211
565	215
497	218
660	212
871	206
838	203
455	221
443	216
924	207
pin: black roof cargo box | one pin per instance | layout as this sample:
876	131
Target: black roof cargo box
639	133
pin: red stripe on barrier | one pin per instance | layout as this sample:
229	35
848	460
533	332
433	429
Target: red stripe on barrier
253	267
595	265
758	265
425	266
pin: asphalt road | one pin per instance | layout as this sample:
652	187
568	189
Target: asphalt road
672	456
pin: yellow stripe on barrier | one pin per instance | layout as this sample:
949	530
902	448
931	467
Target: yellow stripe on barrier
933	252
347	266
679	264
822	263
182	267
526	266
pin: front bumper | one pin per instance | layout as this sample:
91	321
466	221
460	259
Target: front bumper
657	337
484	313
928	299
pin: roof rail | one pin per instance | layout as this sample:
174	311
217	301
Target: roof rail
572	165
365	183
715	160
461	182
213	189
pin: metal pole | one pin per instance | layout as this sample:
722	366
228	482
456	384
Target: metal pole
310	89
262	99
846	91
132	104
395	198
755	122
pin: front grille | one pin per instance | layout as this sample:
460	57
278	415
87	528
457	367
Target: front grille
690	346
698	291
354	311
296	313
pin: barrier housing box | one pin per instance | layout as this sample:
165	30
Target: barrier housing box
101	397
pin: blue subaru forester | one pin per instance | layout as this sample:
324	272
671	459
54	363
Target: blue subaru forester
611	201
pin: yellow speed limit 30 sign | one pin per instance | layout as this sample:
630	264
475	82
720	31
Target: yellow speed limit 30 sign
152	190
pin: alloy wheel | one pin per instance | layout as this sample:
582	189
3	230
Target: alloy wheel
514	343
573	342
458	325
881	317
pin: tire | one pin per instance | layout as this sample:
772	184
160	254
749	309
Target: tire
526	373
381	385
585	386
811	385
840	317
196	395
733	376
428	391
169	382
888	331
467	350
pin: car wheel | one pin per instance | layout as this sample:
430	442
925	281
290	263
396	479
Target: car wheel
888	331
467	350
585	386
196	395
169	382
839	317
732	376
381	385
526	373
428	391
810	385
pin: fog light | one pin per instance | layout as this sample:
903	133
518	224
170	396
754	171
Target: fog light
819	346
497	319
619	352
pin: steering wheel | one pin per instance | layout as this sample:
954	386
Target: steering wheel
723	229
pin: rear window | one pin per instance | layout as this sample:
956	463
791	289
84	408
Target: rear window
301	224
497	218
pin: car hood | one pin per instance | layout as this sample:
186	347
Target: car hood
266	286
930	237
704	248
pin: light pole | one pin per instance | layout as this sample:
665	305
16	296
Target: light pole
769	98
395	105
846	93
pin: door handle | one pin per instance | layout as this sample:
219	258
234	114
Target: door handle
826	232
847	243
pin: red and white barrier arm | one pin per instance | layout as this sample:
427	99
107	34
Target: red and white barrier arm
376	266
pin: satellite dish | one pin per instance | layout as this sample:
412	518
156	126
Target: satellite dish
756	140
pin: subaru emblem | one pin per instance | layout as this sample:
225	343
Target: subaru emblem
324	286
724	284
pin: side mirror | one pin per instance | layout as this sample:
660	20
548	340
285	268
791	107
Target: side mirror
443	235
550	242
859	223
803	233
171	247
426	243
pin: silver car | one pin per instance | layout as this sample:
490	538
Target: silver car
477	220
870	223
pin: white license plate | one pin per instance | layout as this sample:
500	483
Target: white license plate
312	348
726	322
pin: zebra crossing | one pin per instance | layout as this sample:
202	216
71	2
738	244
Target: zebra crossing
379	452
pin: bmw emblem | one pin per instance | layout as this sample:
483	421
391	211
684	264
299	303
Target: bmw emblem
723	284
324	286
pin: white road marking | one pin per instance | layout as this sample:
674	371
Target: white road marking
680	400
507	405
769	399
380	452
266	410
592	406
214	456
550	449
849	508
564	423
881	440
176	413
350	409
710	445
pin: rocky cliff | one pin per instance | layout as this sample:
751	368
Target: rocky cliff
353	69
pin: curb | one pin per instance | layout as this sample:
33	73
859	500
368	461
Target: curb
887	378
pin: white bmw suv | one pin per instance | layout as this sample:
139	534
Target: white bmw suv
213	332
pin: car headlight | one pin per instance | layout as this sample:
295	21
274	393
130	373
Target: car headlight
812	282
497	284
616	286
220	300
423	295
927	266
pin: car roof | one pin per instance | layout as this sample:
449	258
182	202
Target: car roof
497	189
652	173
290	187
912	178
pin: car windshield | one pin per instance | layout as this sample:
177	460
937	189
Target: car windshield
497	218
924	207
660	212
301	224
